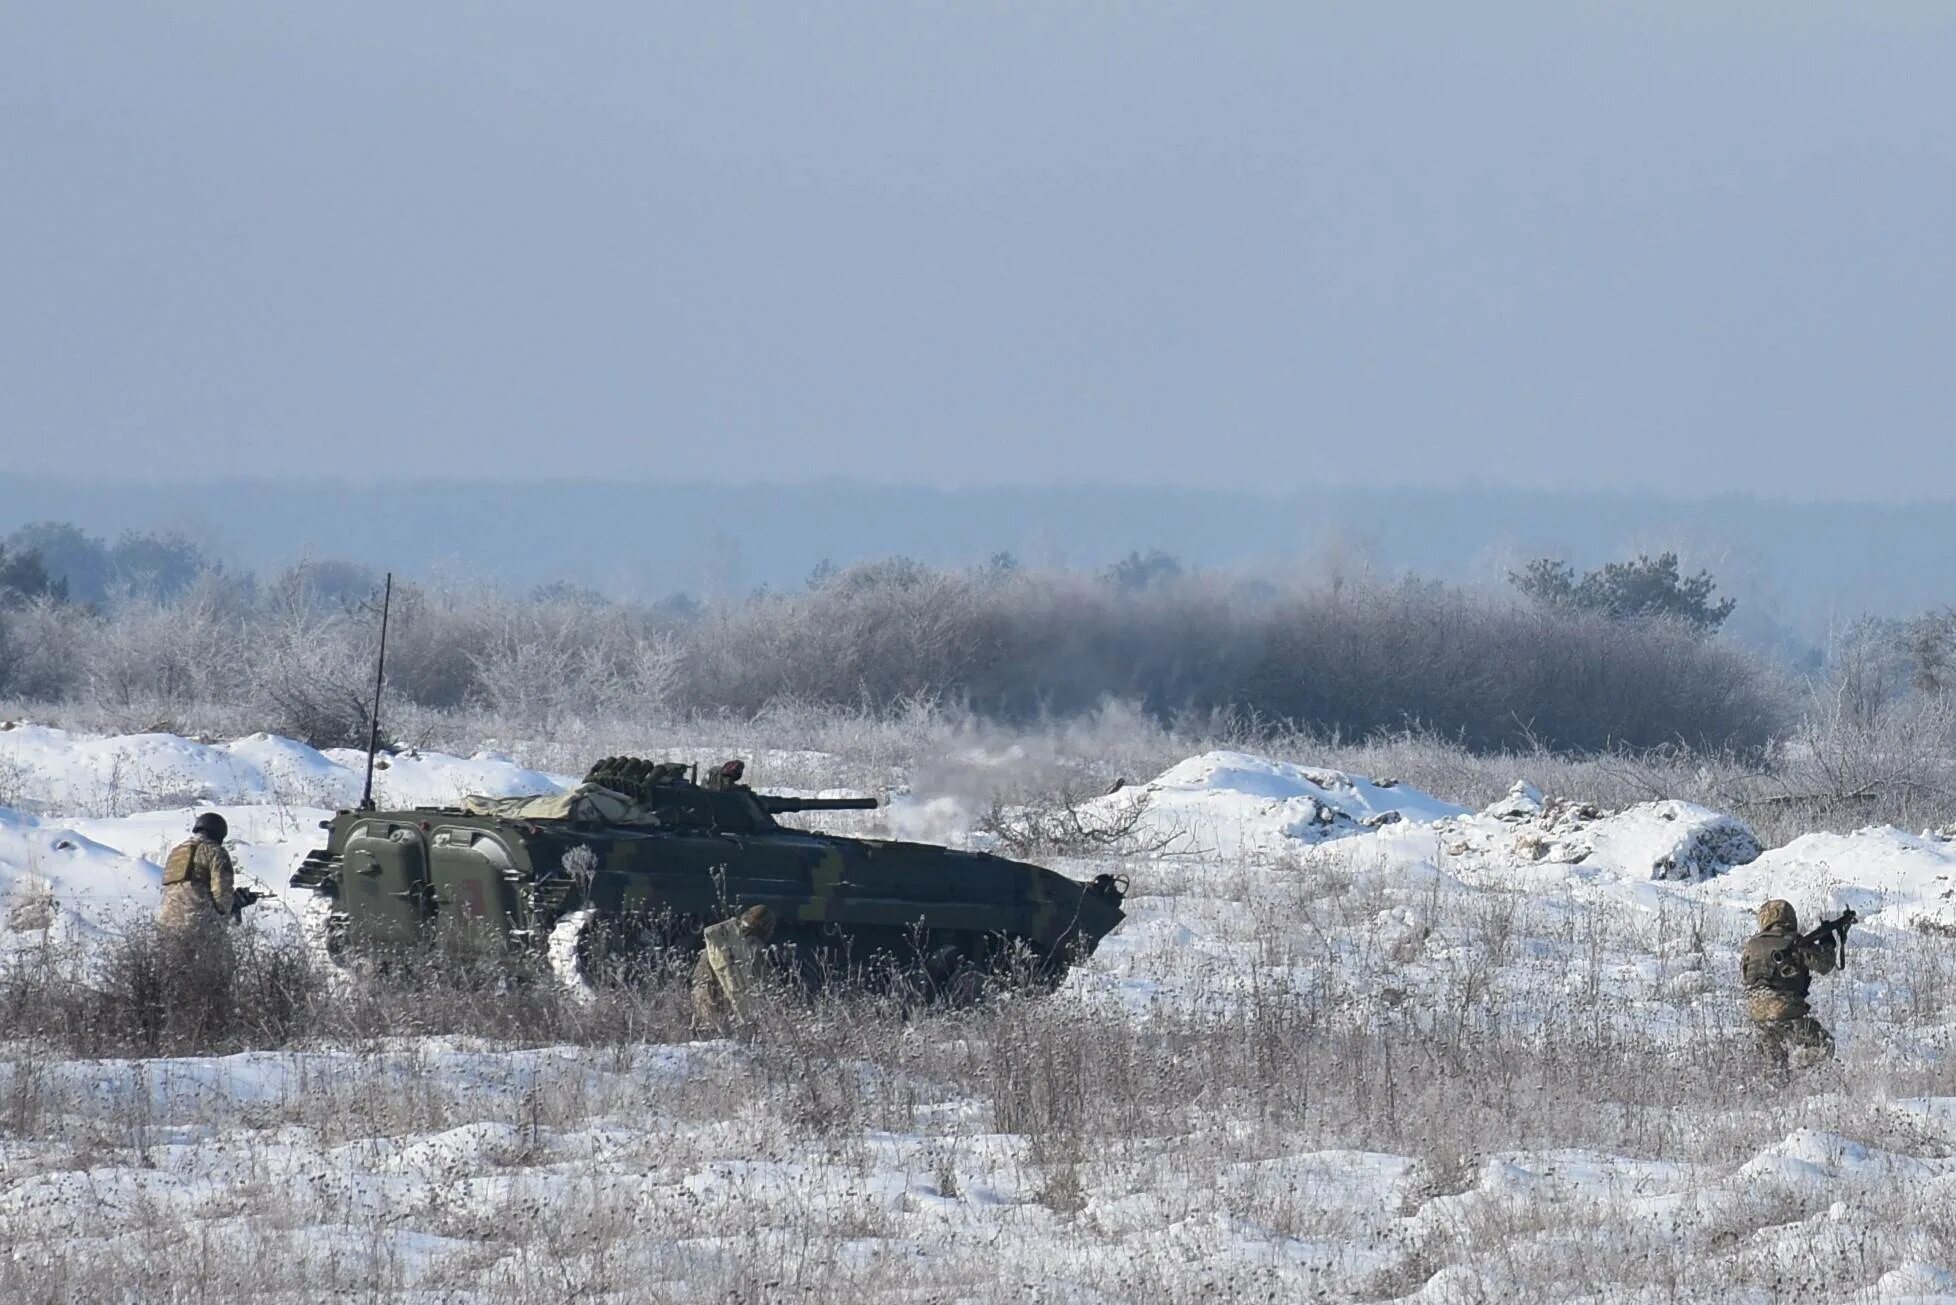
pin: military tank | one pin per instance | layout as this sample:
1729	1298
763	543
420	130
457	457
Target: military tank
635	861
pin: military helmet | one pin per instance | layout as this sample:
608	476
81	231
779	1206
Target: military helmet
757	922
1779	914
210	825
731	771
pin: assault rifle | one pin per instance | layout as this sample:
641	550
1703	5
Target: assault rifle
1834	930
242	897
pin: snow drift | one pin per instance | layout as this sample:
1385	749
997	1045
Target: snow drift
45	769
1234	803
1665	840
48	871
1889	876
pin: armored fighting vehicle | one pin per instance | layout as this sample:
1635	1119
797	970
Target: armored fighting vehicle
635	861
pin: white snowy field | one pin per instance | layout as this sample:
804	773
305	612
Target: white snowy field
1353	1042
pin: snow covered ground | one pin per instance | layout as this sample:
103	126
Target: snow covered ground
51	769
1353	1042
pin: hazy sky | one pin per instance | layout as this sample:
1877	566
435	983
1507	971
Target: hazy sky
1682	246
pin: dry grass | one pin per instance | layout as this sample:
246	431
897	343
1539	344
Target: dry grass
455	1133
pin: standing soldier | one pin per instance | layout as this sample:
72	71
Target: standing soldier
197	878
733	956
1777	966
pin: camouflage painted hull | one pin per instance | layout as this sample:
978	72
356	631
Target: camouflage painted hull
870	909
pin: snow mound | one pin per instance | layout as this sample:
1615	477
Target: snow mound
51	876
1231	801
1888	875
420	779
1667	840
54	771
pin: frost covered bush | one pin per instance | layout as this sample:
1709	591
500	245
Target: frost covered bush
1344	660
1009	644
40	649
312	667
901	666
546	662
150	656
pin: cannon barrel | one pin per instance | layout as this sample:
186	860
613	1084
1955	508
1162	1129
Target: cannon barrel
781	806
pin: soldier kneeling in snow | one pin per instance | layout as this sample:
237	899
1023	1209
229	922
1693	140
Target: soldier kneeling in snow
733	958
1777	966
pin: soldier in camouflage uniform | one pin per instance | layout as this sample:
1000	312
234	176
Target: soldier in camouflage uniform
733	957
197	878
1777	968
726	775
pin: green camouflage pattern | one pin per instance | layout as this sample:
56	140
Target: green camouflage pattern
1776	967
691	856
197	884
1781	1039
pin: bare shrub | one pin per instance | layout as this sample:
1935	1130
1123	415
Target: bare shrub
312	667
1061	824
435	636
41	647
547	661
152	654
167	991
1849	751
